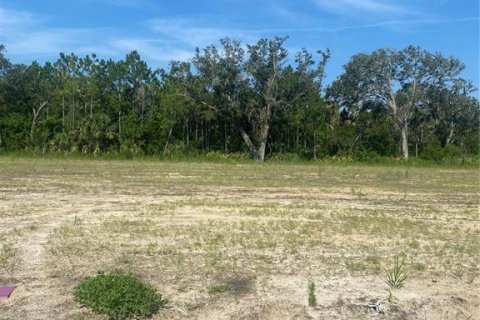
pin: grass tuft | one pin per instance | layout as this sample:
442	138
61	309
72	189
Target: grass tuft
397	274
312	298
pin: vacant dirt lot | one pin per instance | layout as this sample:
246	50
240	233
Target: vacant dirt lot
241	241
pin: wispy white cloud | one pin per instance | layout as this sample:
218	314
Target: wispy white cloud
52	41
281	10
125	3
195	33
411	23
15	19
47	43
152	49
130	4
26	37
355	7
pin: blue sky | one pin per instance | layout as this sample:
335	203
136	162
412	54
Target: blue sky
166	30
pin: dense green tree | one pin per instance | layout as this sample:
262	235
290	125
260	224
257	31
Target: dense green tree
249	87
396	79
234	98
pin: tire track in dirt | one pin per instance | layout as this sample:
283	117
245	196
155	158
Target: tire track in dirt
36	295
39	293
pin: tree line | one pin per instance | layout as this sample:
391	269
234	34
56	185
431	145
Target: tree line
235	98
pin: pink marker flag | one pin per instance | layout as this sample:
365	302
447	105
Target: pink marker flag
5	292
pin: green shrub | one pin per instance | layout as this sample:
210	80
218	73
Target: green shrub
452	152
294	157
118	295
365	155
433	151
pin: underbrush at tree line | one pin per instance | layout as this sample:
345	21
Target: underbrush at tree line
466	161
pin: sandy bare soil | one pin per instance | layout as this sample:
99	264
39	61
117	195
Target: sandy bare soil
240	241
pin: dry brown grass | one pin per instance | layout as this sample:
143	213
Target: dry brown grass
226	241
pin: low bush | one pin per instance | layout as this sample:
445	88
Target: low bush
433	151
118	295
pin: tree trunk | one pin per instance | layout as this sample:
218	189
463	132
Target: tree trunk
186	135
73	115
63	112
450	134
184	131
196	130
207	137
188	132
225	136
263	142
297	135
203	136
405	141
258	154
119	124
119	118
250	145
165	148
36	113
